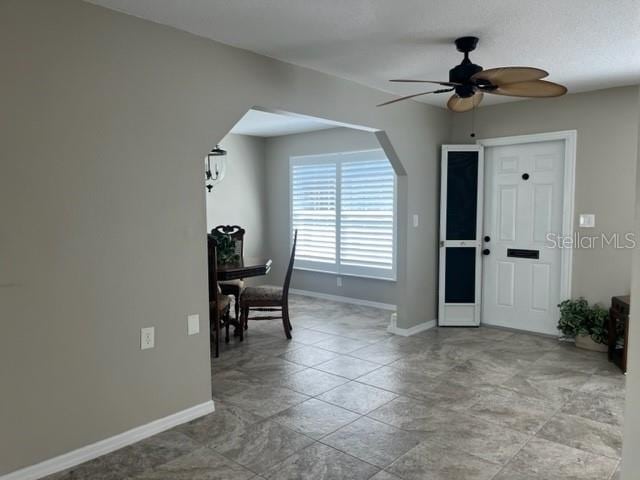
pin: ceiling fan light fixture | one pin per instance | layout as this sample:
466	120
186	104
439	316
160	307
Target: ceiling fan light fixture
460	104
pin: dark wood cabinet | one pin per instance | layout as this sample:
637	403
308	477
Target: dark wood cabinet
619	322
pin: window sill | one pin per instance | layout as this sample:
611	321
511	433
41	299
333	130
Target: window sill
327	272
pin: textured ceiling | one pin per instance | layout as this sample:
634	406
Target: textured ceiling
267	124
584	44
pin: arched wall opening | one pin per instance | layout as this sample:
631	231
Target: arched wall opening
255	195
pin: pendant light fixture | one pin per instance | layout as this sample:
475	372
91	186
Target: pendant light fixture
216	167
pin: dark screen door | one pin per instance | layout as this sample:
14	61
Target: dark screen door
460	235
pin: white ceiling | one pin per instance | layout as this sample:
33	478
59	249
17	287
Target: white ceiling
266	124
584	44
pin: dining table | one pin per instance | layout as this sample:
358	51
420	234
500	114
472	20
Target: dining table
245	268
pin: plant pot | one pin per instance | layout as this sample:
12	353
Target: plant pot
586	343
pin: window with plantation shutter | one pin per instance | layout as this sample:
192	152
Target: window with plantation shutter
313	213
343	206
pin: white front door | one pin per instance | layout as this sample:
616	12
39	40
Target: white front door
523	203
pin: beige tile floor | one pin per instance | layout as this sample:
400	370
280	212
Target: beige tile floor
346	400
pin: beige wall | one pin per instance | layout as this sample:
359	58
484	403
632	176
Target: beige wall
607	126
278	152
631	445
106	119
240	199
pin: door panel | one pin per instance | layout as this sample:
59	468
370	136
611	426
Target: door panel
540	286
520	210
507	213
505	287
460	230
542	212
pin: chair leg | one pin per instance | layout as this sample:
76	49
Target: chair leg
245	318
215	331
285	322
226	326
285	308
243	315
237	306
239	328
285	311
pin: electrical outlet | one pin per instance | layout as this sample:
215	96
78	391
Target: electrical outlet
339	281
193	324
147	338
587	220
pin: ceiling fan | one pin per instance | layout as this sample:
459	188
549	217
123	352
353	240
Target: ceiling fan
470	82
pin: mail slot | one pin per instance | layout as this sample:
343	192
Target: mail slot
521	253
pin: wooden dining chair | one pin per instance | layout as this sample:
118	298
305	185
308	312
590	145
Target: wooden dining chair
219	303
233	287
268	298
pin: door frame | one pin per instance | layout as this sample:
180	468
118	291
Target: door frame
569	137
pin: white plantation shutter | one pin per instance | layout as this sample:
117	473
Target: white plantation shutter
343	206
366	217
313	213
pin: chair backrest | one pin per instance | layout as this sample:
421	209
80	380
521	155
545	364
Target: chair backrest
236	232
287	278
212	259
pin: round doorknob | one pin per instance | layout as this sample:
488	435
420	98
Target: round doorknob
486	251
487	238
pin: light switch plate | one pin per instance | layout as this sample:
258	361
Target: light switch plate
416	220
193	324
147	338
587	220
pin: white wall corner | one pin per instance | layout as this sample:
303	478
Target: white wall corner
108	445
406	332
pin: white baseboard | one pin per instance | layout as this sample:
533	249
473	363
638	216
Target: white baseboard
108	445
406	332
337	298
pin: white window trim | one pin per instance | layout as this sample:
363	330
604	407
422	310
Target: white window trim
334	269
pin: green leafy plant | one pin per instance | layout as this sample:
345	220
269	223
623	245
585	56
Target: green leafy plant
577	317
226	249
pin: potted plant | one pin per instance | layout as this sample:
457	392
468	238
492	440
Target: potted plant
587	324
226	249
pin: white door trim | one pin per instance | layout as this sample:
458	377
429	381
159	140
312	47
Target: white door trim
569	137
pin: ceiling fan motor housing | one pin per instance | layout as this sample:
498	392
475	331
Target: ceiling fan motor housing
462	73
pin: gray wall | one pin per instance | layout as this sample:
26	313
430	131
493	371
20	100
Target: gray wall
240	199
106	119
278	151
607	126
631	445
